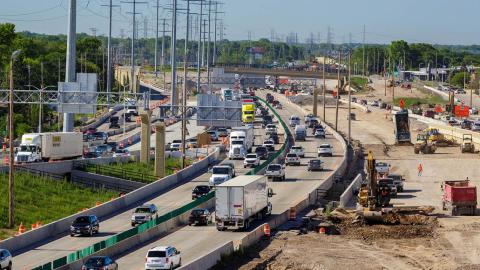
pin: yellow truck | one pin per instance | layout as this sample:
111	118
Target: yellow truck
248	113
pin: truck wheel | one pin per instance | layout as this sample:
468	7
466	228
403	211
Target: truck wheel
9	267
416	151
283	178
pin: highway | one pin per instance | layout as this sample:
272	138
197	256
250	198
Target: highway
195	242
165	201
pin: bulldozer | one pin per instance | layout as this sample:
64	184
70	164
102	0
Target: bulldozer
434	136
423	145
467	145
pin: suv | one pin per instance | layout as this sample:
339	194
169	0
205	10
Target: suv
275	171
5	259
298	150
292	159
199	216
315	165
270	145
144	214
165	257
262	152
251	160
294	120
271	128
231	165
397	181
114	122
85	225
325	150
319	133
100	263
200	191
267	119
275	138
222	132
213	135
220	174
309	117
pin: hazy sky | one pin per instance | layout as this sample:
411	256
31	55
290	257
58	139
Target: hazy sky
433	21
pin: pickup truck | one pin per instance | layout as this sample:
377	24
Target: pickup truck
275	171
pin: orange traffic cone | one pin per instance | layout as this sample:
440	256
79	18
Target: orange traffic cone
322	230
292	214
34	226
266	230
97	203
21	229
39	224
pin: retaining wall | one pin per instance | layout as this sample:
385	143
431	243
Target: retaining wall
348	194
104	182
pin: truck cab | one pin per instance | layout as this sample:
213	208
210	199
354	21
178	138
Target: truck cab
30	149
220	174
248	112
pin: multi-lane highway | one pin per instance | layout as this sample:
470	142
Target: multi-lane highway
195	242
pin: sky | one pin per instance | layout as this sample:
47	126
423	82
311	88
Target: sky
431	21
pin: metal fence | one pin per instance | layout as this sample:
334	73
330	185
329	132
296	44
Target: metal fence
110	171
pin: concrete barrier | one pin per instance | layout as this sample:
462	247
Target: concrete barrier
210	260
348	194
442	94
60	227
99	181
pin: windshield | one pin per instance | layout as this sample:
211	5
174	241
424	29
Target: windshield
82	220
315	162
260	149
324	146
296	148
95	262
291	155
197	212
271	126
142	210
218	170
156	254
274	167
249	112
27	148
237	142
132	107
251	156
201	189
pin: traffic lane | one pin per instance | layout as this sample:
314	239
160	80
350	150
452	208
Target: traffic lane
166	202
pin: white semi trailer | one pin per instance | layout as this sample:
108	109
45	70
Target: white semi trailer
36	147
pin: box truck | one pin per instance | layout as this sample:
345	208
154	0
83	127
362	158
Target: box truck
240	201
37	147
241	142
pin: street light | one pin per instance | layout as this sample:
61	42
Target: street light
10	139
40	104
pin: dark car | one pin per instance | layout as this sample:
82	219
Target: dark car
315	165
114	122
267	119
200	191
100	263
312	123
92	155
352	116
262	152
101	136
90	131
466	124
85	225
199	216
114	146
275	138
429	114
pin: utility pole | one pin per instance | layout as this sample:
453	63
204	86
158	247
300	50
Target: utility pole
156	40
363	63
349	99
199	46
184	100
109	51
173	55
338	90
203	41
324	89
70	69
40	107
162	62
209	41
385	74
59	70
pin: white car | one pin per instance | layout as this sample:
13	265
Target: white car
270	128
382	167
270	145
375	103
292	159
121	153
475	126
163	258
325	150
294	120
298	150
275	171
309	117
251	160
5	259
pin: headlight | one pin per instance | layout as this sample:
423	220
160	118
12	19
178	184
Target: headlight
72	228
133	218
88	226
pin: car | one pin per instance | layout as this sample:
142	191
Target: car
466	124
275	171
313	122
5	259
460	92
270	145
85	225
267	119
102	150
354	99
222	132
398	181
251	160
262	152
274	137
319	133
114	146
308	117
163	257
100	263
200	217
325	150
191	143
270	128
90	131
200	191
382	167
315	165
220	174
231	165
294	120
292	159
429	114
121	153
475	126
175	146
375	103
453	122
114	122
390	183
90	154
213	135
101	136
299	150
144	214
279	106
473	111
353	117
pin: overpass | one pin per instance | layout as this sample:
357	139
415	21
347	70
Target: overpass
280	72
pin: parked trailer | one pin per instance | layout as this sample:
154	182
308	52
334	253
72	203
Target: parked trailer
240	201
459	197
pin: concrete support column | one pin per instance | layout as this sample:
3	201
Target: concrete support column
145	137
160	150
315	101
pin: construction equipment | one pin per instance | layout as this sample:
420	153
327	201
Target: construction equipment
373	194
459	197
434	136
402	127
467	145
423	145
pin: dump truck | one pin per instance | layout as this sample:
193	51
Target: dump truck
467	145
423	145
240	201
36	147
459	197
401	127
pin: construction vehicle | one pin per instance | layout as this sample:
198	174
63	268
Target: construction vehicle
434	136
467	145
423	145
459	197
402	127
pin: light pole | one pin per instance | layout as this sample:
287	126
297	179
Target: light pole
10	141
40	109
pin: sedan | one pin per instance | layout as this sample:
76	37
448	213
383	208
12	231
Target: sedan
100	263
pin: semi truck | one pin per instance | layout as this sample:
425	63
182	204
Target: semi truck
459	197
248	112
241	142
240	201
36	147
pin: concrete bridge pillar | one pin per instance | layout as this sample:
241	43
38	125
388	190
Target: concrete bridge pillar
160	150
315	101
145	137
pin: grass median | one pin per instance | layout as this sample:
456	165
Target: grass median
45	200
410	101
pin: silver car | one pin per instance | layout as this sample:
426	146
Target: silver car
5	259
144	214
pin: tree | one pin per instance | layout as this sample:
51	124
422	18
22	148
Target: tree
457	79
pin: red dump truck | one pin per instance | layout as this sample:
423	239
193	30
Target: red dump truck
459	197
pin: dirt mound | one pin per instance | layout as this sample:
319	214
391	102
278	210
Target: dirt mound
375	232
